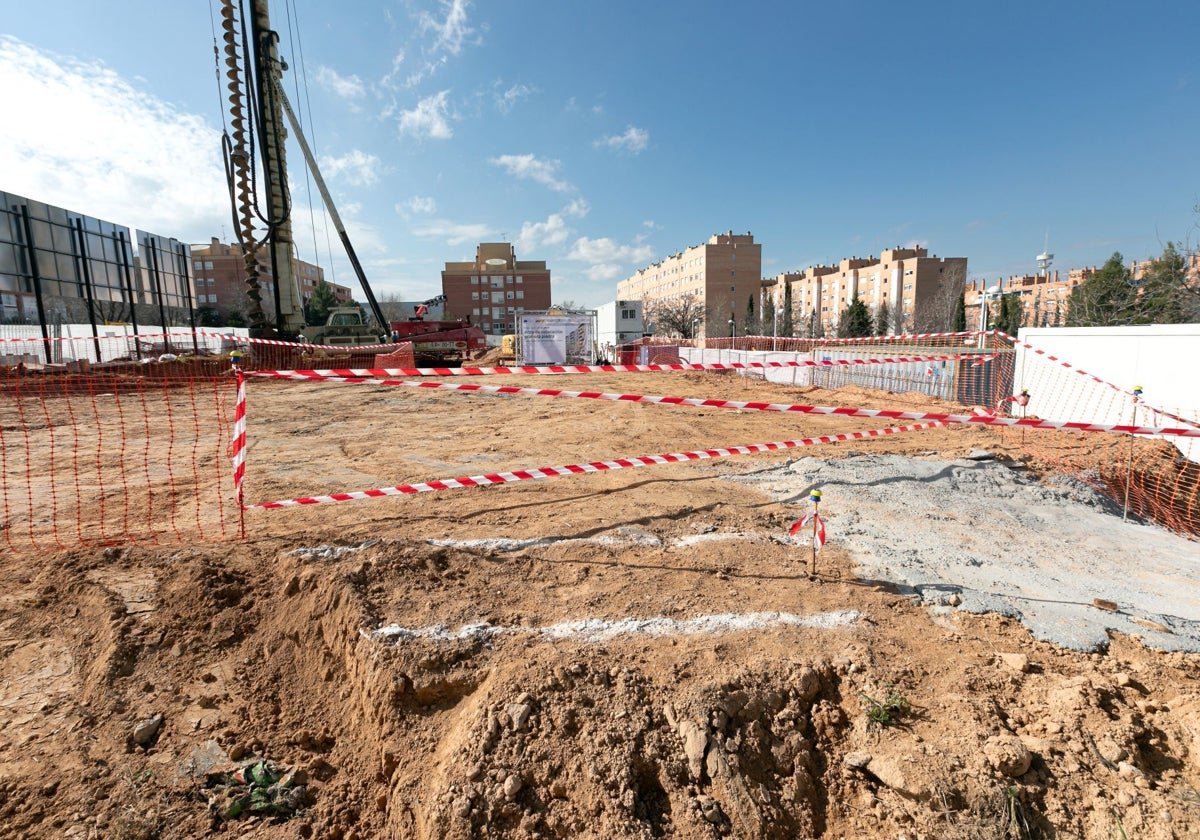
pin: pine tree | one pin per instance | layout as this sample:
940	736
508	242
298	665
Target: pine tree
881	319
316	311
748	326
1105	299
1166	298
768	316
960	314
855	321
786	328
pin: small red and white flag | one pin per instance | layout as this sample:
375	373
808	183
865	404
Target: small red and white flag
808	519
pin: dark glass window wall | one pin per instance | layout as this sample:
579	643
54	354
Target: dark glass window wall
58	265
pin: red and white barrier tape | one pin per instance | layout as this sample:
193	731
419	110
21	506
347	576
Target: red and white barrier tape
354	373
978	419
584	469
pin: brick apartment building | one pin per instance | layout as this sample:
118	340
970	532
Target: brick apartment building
495	288
722	273
220	279
919	291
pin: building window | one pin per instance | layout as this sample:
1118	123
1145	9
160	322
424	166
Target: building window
474	295
520	279
520	294
475	311
510	295
198	264
475	280
208	265
628	314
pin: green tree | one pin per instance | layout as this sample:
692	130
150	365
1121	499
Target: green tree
768	317
1167	297
882	319
855	321
786	327
316	311
960	315
1009	318
1105	299
749	327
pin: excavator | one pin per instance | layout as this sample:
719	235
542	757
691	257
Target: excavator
256	160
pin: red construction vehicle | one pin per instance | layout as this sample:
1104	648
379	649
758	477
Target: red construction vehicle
441	343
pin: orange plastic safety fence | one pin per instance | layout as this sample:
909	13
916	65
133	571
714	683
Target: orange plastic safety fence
92	458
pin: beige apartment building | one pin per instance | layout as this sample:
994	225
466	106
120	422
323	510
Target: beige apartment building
723	273
219	275
919	291
495	289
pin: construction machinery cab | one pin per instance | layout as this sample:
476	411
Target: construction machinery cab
344	325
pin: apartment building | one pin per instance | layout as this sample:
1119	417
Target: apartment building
919	291
723	273
219	274
1043	297
495	288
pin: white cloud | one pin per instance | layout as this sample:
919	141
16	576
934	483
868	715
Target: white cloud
634	140
356	167
455	233
506	100
449	34
140	162
389	79
428	119
535	235
603	273
605	251
347	87
535	169
577	208
422	205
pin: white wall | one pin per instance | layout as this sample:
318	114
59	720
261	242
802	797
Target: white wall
1161	358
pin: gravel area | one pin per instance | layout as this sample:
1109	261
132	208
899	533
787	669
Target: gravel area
978	535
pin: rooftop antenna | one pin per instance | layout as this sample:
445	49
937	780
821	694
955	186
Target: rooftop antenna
1045	259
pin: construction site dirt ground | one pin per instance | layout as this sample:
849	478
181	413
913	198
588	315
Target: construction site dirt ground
632	653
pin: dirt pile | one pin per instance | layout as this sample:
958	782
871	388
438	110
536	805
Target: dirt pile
620	655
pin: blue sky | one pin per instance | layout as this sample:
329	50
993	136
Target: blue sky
601	137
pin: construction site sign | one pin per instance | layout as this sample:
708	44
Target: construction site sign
556	338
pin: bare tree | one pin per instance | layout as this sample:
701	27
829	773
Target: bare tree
680	316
